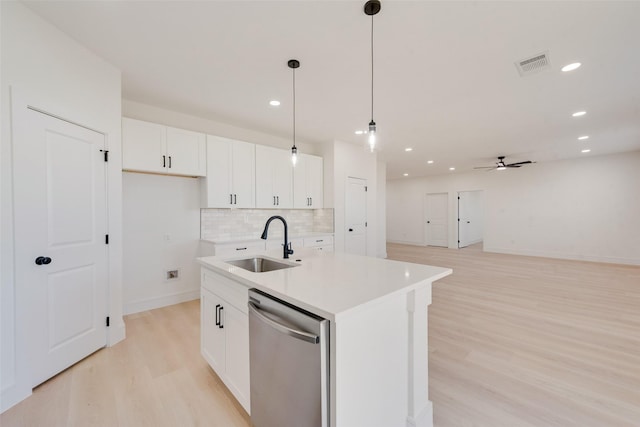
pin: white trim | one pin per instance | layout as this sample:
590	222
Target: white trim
562	255
424	417
403	242
158	302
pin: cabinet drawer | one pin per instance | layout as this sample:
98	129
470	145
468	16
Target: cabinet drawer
234	293
312	242
239	249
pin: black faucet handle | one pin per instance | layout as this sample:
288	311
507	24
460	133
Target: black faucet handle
289	250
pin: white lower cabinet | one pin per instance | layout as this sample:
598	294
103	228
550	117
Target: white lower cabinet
224	335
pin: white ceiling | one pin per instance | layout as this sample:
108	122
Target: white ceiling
445	83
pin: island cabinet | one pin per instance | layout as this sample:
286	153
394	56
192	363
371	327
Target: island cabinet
274	178
308	182
230	181
224	333
377	312
154	148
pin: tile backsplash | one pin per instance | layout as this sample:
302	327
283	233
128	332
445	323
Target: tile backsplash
238	224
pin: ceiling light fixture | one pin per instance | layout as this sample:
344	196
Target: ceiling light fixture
582	138
371	8
586	150
430	162
452	169
579	113
405	174
571	67
293	64
274	103
408	149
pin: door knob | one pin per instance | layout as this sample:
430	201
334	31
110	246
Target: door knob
351	229
428	222
43	260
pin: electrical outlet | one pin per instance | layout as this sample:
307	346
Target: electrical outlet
172	274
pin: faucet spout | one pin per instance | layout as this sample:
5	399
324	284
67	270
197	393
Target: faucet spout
287	246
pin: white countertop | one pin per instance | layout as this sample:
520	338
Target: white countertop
329	284
257	238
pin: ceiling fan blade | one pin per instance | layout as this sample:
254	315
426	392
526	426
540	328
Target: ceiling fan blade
512	166
519	163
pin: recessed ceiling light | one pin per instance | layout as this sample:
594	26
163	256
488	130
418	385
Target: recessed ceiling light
582	138
586	150
359	132
274	103
405	174
579	113
452	169
408	149
430	162
571	67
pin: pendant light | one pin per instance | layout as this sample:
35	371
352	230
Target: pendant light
371	8
293	64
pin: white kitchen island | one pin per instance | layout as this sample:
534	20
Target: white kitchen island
378	330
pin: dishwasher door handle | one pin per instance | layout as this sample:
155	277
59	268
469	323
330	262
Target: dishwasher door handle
301	335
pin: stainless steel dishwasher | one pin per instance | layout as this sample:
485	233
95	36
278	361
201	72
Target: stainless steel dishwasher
289	359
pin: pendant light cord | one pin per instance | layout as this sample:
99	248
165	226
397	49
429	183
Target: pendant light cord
371	67
294	107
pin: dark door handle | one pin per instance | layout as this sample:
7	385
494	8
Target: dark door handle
428	222
164	161
43	260
217	315
468	222
351	229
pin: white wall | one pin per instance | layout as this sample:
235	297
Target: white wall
585	209
381	210
161	225
344	160
63	78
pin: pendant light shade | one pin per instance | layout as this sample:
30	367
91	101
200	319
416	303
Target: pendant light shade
293	64
371	8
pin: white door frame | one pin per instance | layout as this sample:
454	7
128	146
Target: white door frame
458	219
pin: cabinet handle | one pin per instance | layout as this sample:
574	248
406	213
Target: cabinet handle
230	199
221	324
278	199
274	200
241	249
235	199
318	241
310	201
217	314
169	162
164	161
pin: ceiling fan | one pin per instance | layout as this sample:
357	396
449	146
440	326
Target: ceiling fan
500	164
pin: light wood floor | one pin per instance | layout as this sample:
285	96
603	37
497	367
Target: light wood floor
514	341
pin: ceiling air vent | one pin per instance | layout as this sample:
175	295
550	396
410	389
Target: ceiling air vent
534	64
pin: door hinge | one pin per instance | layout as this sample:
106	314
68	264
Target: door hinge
106	155
107	321
365	188
106	239
365	224
458	197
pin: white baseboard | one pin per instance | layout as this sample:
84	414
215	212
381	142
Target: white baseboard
161	301
424	417
403	242
561	255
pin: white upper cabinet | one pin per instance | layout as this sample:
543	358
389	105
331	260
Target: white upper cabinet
150	147
230	181
274	178
308	182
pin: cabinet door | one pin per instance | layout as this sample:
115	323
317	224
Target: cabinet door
315	181
243	174
236	326
143	146
282	178
300	193
218	181
265	197
212	337
186	152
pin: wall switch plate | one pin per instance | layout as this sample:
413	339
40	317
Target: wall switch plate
172	274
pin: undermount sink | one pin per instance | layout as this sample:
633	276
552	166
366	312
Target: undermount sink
259	265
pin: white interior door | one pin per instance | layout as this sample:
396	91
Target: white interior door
437	224
356	217
470	218
60	229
